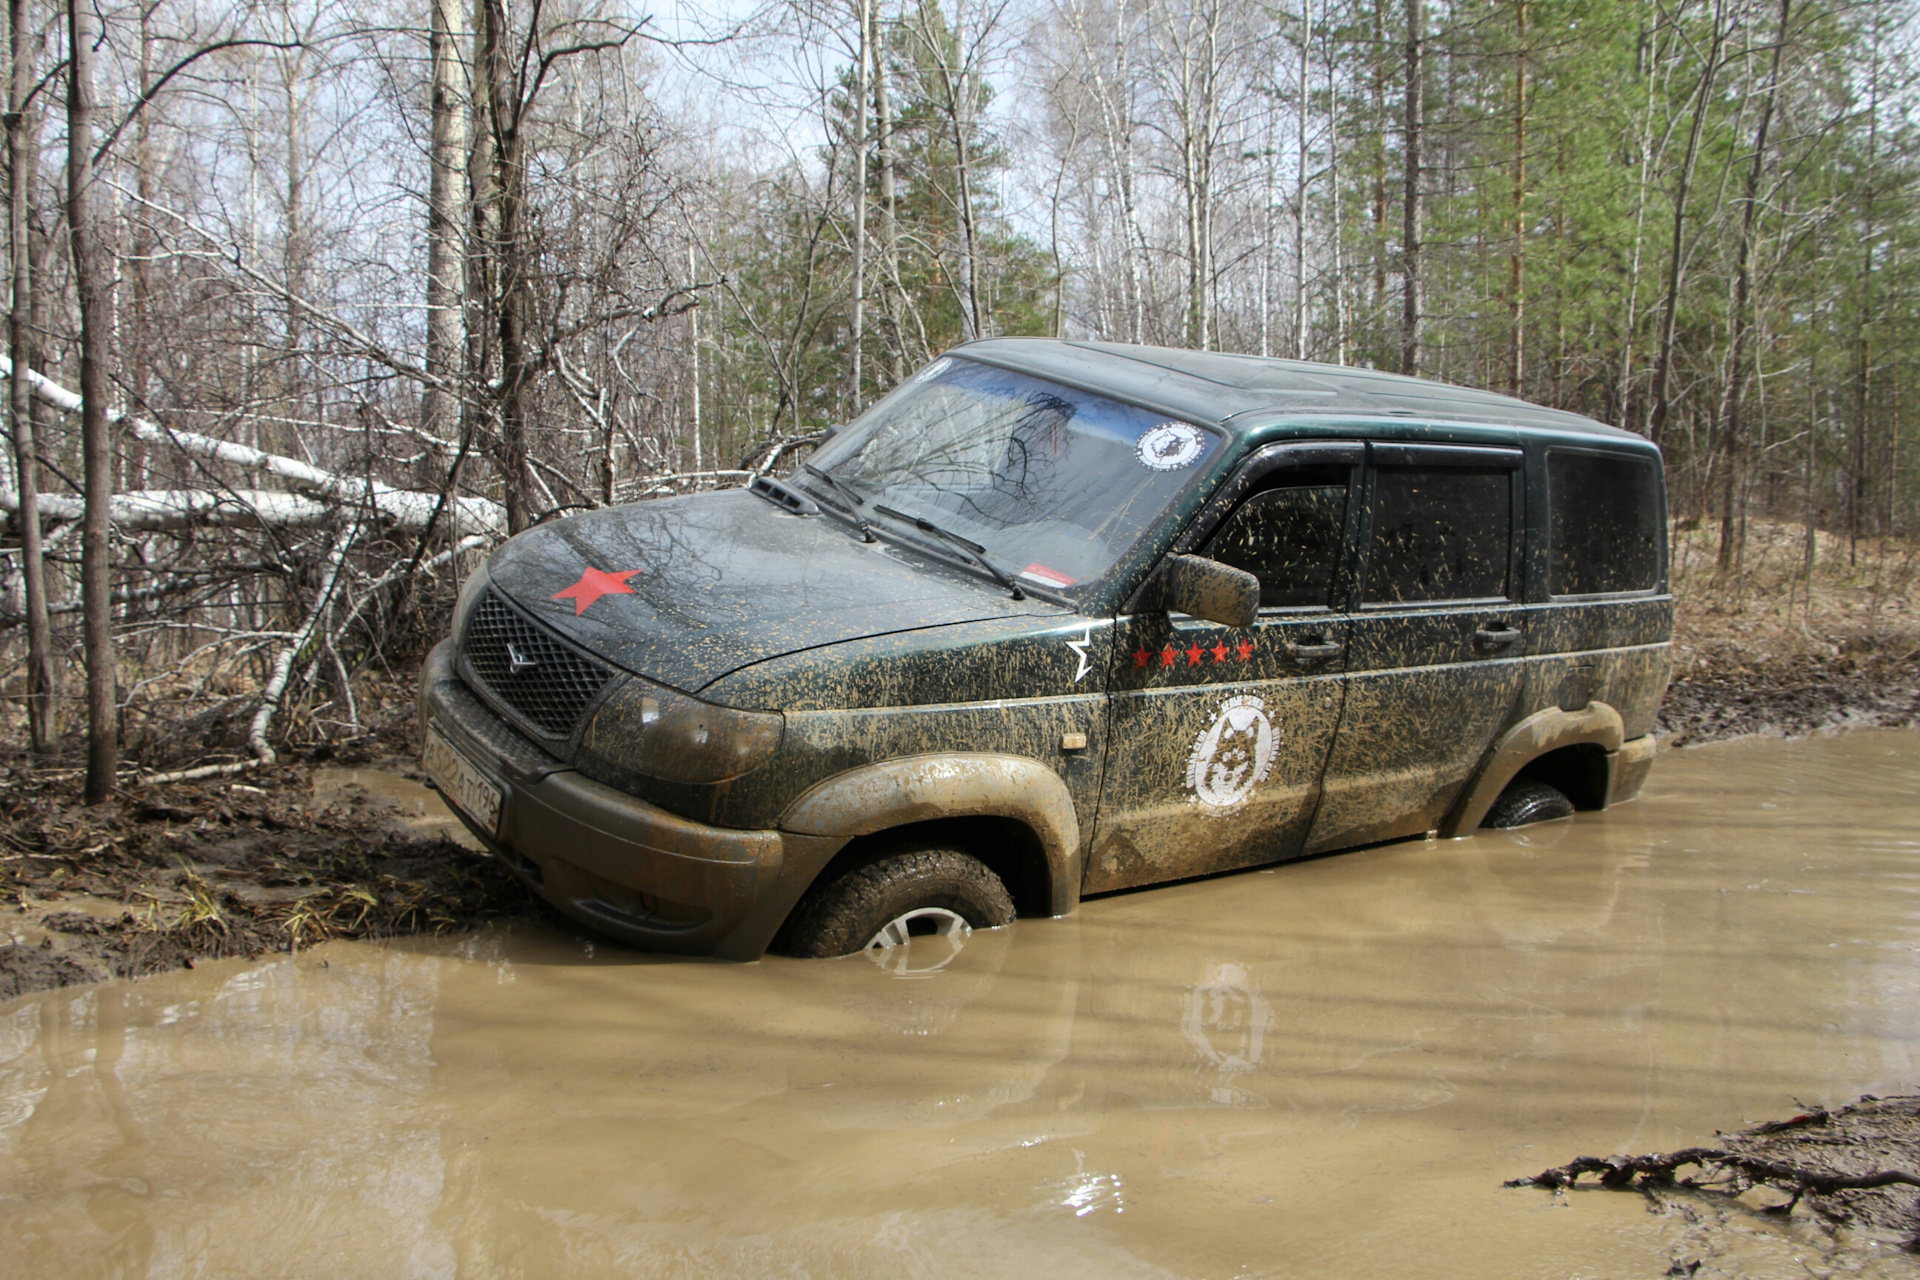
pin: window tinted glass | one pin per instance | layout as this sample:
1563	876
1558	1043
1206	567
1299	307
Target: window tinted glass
1603	523
1288	537
1439	534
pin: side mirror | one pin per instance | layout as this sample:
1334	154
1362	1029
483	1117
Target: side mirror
1207	589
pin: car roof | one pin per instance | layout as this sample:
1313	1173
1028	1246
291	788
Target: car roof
1240	393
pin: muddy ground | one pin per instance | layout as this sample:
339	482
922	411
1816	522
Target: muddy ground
1807	694
1853	1168
170	874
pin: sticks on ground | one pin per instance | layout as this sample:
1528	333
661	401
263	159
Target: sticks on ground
1743	1171
1835	1160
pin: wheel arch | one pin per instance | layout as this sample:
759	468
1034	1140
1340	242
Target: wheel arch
1012	813
1569	749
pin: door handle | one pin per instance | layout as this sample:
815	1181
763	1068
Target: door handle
1314	651
1489	638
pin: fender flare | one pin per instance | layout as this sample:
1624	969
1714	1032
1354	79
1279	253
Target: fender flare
922	788
1543	731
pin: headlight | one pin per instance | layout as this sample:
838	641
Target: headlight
649	729
470	592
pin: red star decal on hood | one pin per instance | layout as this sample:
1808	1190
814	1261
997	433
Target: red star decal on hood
593	584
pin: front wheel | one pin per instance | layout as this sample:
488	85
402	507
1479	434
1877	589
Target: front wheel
893	899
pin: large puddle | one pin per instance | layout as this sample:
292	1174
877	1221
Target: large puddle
1322	1070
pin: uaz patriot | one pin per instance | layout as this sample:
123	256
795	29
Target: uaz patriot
1057	618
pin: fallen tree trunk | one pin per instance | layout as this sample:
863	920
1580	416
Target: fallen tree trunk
155	510
401	508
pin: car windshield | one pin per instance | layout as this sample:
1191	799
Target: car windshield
1054	484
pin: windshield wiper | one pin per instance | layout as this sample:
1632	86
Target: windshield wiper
976	552
852	494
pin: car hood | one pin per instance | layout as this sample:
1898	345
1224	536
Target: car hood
717	581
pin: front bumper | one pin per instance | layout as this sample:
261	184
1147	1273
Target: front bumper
616	863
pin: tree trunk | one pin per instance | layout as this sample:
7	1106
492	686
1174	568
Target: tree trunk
1731	437
1517	267
138	357
22	146
510	261
446	264
1863	363
1410	196
864	84
889	222
1631	322
1379	132
693	363
1300	190
103	746
1663	366
960	96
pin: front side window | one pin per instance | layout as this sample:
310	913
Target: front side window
1439	533
1054	484
1289	536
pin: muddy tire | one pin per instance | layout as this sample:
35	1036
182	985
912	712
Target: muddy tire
911	893
1526	801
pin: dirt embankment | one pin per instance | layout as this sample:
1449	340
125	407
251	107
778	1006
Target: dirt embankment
166	875
1776	650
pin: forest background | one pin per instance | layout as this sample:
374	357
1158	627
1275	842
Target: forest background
322	298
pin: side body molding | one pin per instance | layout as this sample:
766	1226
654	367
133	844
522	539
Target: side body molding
893	793
1543	731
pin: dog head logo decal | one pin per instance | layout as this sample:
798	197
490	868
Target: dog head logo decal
1233	755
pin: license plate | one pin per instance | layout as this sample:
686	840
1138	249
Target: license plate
460	782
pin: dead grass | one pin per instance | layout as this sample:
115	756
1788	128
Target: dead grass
1858	611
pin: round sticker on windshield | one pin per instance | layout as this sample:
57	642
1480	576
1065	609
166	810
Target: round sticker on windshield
1171	446
934	370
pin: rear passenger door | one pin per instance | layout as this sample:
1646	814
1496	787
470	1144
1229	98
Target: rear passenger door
1218	736
1435	647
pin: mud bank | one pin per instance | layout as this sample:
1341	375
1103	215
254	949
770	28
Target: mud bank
1807	694
170	875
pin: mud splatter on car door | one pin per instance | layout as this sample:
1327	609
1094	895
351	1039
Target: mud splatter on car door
1435	663
1219	735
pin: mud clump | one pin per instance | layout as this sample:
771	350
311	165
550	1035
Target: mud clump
25	969
1856	1168
168	875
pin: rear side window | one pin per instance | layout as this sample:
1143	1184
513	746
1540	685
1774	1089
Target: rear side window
1440	533
1289	537
1603	523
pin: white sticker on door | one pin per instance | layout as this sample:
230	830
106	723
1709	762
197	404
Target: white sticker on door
1233	756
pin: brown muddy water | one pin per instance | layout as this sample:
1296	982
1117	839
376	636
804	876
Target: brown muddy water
1320	1070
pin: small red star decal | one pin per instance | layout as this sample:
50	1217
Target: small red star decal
1168	656
1193	655
1246	649
593	584
1141	657
1220	651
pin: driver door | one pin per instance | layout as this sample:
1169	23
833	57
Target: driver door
1218	736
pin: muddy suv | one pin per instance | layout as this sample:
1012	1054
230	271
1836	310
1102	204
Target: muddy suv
1058	618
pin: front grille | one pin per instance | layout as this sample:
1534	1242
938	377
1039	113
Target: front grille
554	684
